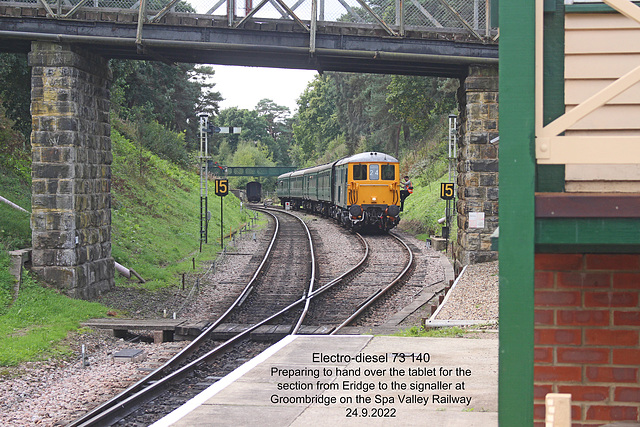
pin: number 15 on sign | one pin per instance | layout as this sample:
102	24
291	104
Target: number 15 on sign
446	190
222	187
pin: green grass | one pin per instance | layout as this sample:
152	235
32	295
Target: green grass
423	208
33	326
6	282
156	215
419	331
15	231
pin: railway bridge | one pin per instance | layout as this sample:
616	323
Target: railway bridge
70	42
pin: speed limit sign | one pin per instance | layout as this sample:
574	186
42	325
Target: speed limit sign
222	187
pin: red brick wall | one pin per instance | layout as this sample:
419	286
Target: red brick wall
587	323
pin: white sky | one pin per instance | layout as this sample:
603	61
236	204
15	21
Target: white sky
243	87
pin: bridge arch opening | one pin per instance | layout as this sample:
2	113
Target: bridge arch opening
71	219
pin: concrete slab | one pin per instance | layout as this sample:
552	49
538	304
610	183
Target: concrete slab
129	355
355	380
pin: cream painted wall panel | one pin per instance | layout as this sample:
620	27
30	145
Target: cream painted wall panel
602	172
598	21
577	91
602	186
599	48
601	66
602	41
612	117
597	132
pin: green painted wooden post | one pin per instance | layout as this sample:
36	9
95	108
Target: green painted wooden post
517	184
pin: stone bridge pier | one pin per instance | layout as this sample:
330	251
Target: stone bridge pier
477	180
71	171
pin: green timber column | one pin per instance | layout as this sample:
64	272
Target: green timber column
516	242
71	169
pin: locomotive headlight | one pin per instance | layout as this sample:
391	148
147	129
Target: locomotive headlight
373	199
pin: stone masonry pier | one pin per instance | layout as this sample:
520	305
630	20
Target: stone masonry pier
71	172
477	165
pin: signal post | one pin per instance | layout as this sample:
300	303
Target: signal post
222	189
221	185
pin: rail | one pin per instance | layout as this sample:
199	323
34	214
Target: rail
382	291
395	17
156	383
134	394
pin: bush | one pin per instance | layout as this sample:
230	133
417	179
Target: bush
163	142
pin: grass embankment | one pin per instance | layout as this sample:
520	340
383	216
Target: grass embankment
156	215
155	219
424	207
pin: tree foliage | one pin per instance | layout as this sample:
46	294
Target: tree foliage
249	154
171	95
345	113
317	123
15	92
420	100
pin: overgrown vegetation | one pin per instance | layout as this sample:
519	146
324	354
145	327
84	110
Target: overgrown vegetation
155	213
15	231
428	167
345	113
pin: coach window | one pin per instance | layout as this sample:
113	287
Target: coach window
360	172
374	172
388	172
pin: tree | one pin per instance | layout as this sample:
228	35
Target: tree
254	127
15	92
171	95
249	154
420	100
209	100
317	121
274	114
279	126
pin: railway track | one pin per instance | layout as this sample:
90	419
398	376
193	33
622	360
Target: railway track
341	301
273	295
288	275
192	361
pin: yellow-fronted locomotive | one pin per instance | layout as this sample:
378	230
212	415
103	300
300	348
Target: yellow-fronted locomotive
360	191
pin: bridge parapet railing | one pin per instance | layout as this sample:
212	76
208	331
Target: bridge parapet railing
394	16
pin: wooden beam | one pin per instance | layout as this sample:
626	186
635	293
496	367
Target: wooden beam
588	149
587	205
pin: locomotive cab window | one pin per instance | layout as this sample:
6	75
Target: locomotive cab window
360	172
388	172
374	172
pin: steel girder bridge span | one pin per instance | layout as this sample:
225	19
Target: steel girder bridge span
420	37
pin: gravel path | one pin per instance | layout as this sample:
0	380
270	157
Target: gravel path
475	296
55	392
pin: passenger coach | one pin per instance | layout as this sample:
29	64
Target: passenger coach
361	191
